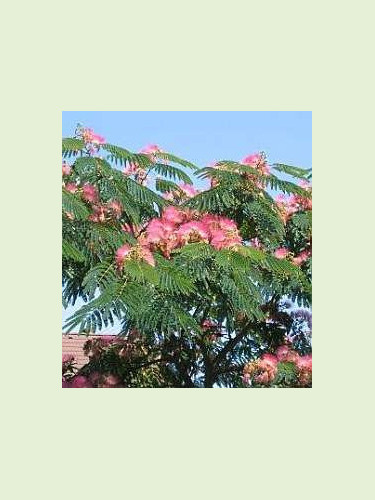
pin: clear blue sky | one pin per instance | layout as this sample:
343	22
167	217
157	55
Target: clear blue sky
204	136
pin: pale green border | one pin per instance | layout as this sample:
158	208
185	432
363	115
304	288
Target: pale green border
170	444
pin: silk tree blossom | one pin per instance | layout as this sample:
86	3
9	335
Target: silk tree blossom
185	191
71	187
90	193
188	190
303	183
137	252
284	353
131	169
115	207
192	232
66	169
89	136
256	243
281	253
264	370
294	203
302	257
151	149
122	253
257	161
79	382
174	215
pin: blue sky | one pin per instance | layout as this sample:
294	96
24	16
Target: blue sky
204	136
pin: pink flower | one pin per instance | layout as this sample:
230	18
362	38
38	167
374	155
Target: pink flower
65	384
71	187
168	196
284	353
69	215
147	256
252	160
97	139
257	161
99	214
304	184
121	254
110	381
88	135
66	169
150	149
80	381
302	257
90	193
67	358
173	215
280	198
208	324
116	208
188	190
304	362
255	243
193	232
269	360
281	253
131	169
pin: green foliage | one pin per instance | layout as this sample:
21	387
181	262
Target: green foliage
71	147
300	173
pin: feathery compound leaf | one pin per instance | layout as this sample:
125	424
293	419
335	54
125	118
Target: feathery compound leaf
69	251
171	278
298	172
165	186
171	172
143	194
287	187
140	271
214	200
175	159
72	205
71	146
302	220
99	277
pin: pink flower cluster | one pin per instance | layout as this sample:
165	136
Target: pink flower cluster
211	329
178	227
151	149
140	174
257	161
187	191
263	371
136	252
139	171
282	253
89	136
90	193
105	212
66	168
94	380
101	211
293	203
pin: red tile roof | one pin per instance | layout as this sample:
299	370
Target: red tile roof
72	343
